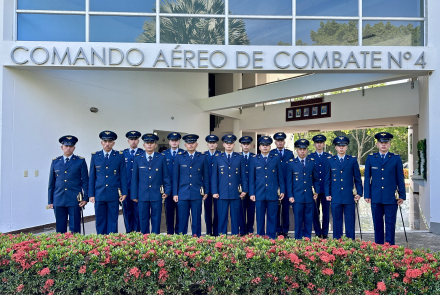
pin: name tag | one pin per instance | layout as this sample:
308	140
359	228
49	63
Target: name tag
221	166
168	160
334	169
57	170
295	172
98	166
142	167
374	168
257	167
183	165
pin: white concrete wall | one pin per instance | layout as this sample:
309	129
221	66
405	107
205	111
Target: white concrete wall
39	106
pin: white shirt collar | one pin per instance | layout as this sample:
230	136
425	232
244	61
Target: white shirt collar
319	154
135	150
192	153
301	159
265	156
64	157
109	153
229	154
280	150
212	154
147	155
341	157
246	154
380	154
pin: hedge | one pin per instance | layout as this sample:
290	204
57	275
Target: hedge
160	264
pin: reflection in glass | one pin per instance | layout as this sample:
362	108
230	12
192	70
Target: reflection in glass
78	5
326	32
74	5
193	6
187	30
123	5
327	7
51	27
392	33
260	7
119	28
393	8
262	32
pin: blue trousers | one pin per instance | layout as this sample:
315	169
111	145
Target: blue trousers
195	206
284	215
106	216
266	209
61	215
303	220
131	214
223	207
247	215
172	216
390	212
321	229
339	213
150	211
211	221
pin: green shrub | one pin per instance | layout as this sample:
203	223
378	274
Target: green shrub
160	264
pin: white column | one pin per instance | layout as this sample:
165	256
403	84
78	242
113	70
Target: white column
237	132
255	149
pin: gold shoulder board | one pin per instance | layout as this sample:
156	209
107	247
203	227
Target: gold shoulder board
329	157
55	158
291	160
162	154
179	153
93	153
120	153
312	159
81	158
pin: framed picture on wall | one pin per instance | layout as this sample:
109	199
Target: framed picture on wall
306	112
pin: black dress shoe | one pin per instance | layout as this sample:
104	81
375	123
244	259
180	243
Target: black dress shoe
279	234
325	236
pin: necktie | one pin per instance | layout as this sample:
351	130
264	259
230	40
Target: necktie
106	159
303	163
149	160
383	157
229	157
265	159
67	161
174	154
191	157
132	154
341	160
245	158
281	153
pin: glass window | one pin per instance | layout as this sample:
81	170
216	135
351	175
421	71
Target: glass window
392	33
393	8
51	27
105	28
193	6
260	32
327	7
326	32
123	5
260	7
75	5
192	30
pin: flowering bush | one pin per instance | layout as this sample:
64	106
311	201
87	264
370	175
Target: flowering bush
159	264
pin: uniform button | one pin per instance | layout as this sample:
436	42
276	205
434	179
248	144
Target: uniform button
382	187
229	175
132	162
382	177
265	168
131	169
190	167
106	176
305	190
149	168
266	176
229	184
65	180
106	185
281	161
229	167
305	182
266	184
319	171
190	176
304	174
149	186
320	179
65	171
246	165
65	189
319	165
342	188
190	184
106	167
150	176
341	171
382	169
342	180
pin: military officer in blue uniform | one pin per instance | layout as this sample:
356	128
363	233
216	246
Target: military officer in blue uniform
211	216
68	177
342	175
172	217
107	183
150	184
130	208
383	180
321	202
228	176
266	187
247	207
285	156
190	185
302	175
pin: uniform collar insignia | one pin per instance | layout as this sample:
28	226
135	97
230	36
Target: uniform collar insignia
132	132
107	133
69	138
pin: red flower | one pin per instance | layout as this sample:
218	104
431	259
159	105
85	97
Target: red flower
208	259
327	271
310	286
161	263
348	273
257	280
160	292
407	280
20	288
48	284
44	271
148	273
218	245
413	273
82	269
381	286
135	272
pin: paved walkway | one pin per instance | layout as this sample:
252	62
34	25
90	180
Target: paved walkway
416	239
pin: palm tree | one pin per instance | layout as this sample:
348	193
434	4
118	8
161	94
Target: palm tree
194	30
